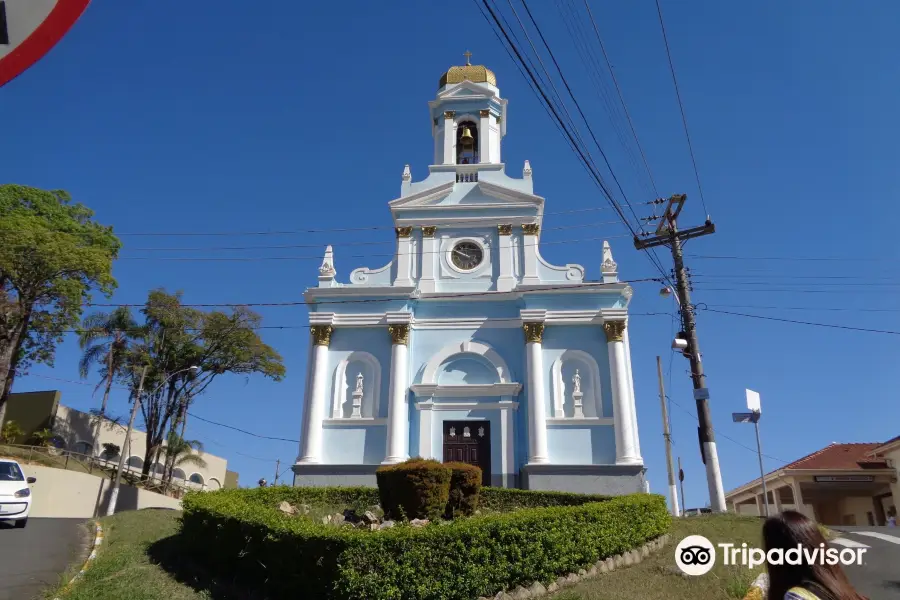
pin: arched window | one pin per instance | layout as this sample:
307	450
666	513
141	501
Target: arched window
466	143
157	470
214	484
196	478
135	462
178	473
82	447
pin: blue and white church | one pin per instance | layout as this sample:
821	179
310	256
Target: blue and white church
468	345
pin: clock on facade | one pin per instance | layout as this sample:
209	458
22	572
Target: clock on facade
466	255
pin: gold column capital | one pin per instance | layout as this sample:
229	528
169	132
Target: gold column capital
428	231
449	114
531	228
403	232
534	332
504	229
615	330
399	334
485	112
321	334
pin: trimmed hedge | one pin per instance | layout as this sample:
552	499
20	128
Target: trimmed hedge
414	489
465	487
238	536
509	499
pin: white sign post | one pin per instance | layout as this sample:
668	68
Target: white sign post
753	416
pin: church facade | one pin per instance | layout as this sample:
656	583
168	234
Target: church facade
468	345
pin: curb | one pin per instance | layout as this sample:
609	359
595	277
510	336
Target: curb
758	588
632	557
95	547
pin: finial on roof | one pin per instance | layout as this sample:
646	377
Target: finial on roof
327	270
608	267
468	56
407	174
526	170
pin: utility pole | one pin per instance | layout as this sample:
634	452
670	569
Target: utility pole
114	494
681	484
673	493
667	234
277	464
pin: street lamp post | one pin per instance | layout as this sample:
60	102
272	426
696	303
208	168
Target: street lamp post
753	417
114	494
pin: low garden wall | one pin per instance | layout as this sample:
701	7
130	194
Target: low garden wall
522	537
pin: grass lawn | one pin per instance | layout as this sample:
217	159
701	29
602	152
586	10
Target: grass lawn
124	569
657	577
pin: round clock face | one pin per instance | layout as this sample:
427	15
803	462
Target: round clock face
466	256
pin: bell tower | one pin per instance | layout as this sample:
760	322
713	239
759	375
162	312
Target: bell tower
468	116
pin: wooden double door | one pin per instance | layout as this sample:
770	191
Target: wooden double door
469	442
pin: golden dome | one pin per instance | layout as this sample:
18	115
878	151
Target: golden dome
468	72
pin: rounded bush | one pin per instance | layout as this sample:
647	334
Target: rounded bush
465	489
414	489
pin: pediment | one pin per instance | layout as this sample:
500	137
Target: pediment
466	89
481	194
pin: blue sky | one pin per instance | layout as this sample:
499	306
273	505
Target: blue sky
179	117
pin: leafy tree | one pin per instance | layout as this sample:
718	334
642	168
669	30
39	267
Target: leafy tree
179	452
10	432
178	337
105	339
111	450
42	437
52	257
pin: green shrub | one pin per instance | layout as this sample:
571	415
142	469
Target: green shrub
507	499
237	537
465	487
414	489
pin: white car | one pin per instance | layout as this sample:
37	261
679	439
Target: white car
15	495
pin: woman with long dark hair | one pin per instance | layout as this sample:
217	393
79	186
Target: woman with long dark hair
805	581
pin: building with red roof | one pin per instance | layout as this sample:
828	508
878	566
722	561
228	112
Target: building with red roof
841	484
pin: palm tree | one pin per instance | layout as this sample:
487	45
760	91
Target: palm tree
106	338
179	451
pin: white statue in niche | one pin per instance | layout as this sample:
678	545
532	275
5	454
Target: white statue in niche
577	396
359	383
357	398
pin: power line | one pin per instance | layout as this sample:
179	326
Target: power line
782	320
687	134
583	154
793	258
836	309
621	98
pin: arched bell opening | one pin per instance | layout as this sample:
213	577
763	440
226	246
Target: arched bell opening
466	143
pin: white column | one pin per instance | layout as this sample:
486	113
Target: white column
426	433
429	257
449	137
776	496
505	281
529	252
403	256
626	447
537	409
311	445
398	409
634	424
304	425
760	510
508	439
799	506
484	137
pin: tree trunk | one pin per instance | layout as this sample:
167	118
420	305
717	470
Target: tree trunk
8	368
109	379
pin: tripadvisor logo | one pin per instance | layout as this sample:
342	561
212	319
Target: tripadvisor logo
696	555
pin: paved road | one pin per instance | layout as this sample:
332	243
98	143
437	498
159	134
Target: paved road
879	576
35	557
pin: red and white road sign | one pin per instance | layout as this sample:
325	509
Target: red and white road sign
30	28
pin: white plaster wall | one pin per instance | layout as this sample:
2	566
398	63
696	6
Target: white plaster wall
58	493
857	506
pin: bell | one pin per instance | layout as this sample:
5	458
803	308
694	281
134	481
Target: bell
466	138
